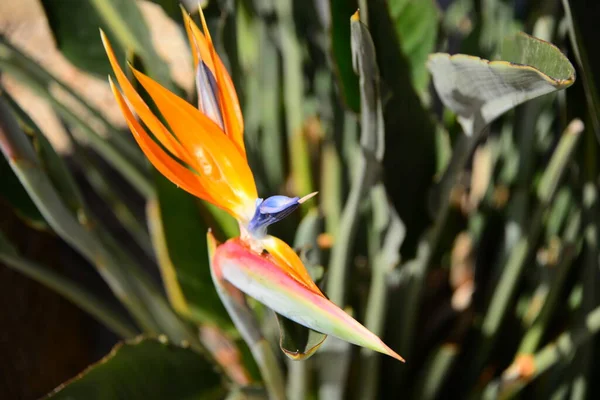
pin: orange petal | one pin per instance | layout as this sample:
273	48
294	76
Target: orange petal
202	48
223	171
141	109
167	166
288	260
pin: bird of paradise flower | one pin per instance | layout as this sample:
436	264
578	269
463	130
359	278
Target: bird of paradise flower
203	153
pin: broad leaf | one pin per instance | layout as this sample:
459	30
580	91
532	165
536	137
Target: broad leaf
178	232
409	129
145	369
479	91
416	24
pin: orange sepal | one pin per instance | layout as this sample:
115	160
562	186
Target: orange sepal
162	161
202	48
224	173
286	258
141	108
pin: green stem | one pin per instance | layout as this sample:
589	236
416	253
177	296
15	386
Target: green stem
435	372
246	323
293	92
592	102
419	268
562	349
533	336
344	242
386	235
331	192
503	293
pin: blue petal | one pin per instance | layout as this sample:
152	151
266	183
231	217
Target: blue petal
275	204
269	211
208	95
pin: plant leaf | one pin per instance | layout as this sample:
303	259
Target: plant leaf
479	91
118	151
12	191
145	369
341	10
75	29
409	129
124	18
416	25
74	25
177	231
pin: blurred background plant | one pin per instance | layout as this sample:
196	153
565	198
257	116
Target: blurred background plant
457	198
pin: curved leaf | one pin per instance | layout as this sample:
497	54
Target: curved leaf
479	91
13	192
145	369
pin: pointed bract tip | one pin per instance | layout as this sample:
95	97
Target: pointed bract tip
307	197
392	353
203	20
356	16
104	38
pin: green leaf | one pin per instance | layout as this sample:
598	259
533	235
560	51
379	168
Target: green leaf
409	130
479	91
178	233
59	174
12	191
53	164
341	10
74	25
119	152
24	161
416	25
145	369
124	18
